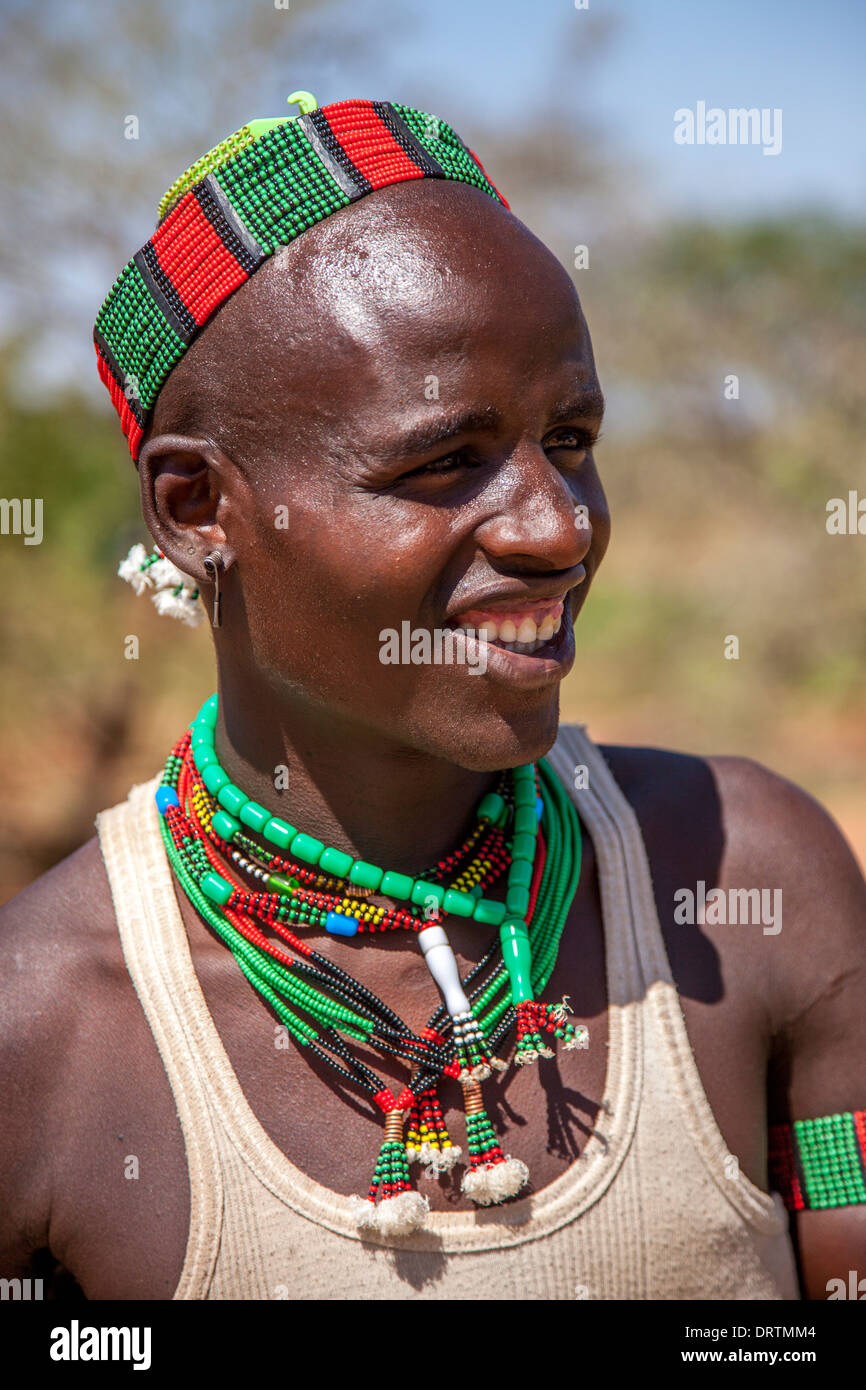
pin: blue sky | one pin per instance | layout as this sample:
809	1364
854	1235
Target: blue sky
807	59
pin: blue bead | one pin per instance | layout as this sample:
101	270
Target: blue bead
539	807
164	798
339	925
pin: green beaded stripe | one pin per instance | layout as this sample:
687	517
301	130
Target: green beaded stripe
441	141
279	187
830	1161
142	342
558	885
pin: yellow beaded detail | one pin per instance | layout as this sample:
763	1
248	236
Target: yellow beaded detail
472	875
204	807
226	149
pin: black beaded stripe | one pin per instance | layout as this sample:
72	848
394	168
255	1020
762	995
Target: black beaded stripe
338	164
227	225
409	143
138	411
164	294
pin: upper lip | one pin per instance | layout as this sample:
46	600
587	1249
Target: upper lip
499	598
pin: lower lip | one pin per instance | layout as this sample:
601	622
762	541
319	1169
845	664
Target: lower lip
550	664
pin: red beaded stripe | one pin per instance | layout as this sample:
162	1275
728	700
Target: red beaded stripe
782	1167
369	144
130	426
860	1131
489	179
200	267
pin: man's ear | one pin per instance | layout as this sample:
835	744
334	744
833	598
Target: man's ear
186	484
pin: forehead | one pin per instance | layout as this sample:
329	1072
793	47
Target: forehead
418	281
422	268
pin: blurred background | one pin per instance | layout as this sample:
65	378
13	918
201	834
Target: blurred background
704	262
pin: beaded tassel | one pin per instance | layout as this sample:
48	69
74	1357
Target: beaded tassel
533	1019
492	1175
174	595
427	1137
392	1206
471	1053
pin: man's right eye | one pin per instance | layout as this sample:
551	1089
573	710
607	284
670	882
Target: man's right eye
439	467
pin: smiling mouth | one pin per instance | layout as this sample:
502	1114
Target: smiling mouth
523	628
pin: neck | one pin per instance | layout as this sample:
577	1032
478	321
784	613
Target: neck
348	786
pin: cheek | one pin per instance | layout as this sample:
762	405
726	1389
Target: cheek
318	590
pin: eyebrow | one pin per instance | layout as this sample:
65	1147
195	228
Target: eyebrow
429	434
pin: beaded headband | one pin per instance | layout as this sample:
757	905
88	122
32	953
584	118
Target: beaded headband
239	204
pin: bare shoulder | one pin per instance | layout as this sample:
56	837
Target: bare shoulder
735	825
62	921
782	837
60	949
61	980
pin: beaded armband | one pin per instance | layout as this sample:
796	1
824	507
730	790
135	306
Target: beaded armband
819	1163
239	204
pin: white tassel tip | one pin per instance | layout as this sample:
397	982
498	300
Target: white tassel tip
495	1182
165	575
546	1052
131	570
441	1160
580	1039
498	1064
182	606
525	1056
393	1216
481	1072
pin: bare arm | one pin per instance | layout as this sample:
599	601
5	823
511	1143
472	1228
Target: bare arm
816	982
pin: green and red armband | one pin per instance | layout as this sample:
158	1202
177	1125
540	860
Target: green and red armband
819	1163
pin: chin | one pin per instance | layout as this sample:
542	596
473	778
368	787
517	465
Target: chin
489	741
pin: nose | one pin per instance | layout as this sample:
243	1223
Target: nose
541	513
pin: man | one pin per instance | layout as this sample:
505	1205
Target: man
392	419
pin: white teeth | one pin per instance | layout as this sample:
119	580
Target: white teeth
526	637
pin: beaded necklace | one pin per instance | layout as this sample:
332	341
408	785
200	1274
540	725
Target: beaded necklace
529	828
302	894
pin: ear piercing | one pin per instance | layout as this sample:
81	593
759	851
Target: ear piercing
213	566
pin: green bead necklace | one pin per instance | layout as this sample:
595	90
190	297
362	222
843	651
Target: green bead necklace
238	810
321	1005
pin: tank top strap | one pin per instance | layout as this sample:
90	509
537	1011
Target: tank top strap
153	942
628	907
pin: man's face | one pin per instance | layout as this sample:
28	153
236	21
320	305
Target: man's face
426	402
